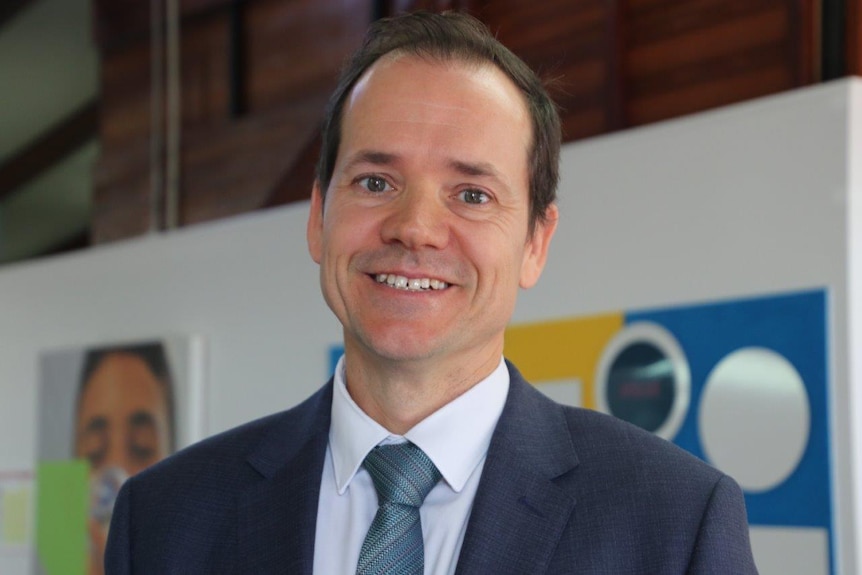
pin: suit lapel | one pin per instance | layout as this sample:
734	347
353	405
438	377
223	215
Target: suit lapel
278	514
520	512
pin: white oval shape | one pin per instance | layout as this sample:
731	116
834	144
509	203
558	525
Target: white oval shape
755	418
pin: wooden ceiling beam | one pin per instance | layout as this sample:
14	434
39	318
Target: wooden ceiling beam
9	8
49	148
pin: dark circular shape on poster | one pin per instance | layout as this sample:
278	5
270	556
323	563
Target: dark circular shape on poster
641	386
643	378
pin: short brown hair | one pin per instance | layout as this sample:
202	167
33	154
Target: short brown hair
445	37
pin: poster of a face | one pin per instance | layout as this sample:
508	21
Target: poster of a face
107	412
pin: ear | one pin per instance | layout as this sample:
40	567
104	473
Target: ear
314	229
536	250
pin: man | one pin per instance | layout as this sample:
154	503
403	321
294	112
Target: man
433	206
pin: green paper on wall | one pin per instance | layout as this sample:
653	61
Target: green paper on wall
61	517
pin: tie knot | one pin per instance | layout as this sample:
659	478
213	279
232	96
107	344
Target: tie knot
402	473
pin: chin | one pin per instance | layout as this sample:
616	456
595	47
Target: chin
402	346
401	352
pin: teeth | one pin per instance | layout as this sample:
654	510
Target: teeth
410	284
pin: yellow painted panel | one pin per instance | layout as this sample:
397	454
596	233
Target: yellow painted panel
562	349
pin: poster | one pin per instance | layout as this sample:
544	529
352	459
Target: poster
106	412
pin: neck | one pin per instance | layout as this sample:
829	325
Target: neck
398	394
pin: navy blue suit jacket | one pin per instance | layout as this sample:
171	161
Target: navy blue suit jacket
563	491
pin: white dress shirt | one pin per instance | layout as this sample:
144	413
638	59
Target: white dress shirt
455	437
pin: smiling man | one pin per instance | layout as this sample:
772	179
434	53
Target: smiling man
427	452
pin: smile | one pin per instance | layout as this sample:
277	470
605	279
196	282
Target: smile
410	284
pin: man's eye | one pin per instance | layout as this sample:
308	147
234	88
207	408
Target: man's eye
374	184
474	197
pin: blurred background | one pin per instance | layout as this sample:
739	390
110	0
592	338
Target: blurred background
120	118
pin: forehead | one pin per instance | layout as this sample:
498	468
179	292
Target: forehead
410	92
121	380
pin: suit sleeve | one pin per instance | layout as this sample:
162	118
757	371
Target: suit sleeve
118	560
723	544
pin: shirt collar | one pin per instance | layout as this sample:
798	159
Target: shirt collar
455	437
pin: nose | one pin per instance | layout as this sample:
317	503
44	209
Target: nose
417	219
117	455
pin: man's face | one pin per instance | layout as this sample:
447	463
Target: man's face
123	416
423	240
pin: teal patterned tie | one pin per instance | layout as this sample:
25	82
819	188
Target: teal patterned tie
403	475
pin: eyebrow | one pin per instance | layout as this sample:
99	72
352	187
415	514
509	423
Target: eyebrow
372	157
483	169
142	419
96	424
385	158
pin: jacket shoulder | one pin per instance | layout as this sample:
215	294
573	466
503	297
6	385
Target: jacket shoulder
599	437
224	459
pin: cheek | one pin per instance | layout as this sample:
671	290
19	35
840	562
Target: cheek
349	220
499	261
165	425
337	233
346	234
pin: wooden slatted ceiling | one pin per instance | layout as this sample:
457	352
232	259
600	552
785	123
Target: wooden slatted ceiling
229	165
616	64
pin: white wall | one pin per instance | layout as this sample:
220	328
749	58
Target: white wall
853	453
745	200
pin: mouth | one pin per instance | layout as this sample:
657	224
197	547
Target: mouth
410	284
